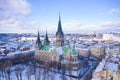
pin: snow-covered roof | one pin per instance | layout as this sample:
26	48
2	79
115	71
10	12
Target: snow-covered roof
47	48
59	50
82	49
111	62
100	66
28	38
96	79
112	66
99	45
114	47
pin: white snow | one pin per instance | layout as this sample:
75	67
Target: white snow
96	79
111	62
112	66
59	50
100	66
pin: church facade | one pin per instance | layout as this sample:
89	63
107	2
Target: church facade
61	55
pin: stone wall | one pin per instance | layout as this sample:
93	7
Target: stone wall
107	75
83	52
97	51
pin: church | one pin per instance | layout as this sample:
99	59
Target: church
60	55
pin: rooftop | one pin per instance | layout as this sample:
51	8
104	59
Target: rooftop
111	63
59	50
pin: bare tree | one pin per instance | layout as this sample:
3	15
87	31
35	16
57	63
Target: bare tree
51	75
63	75
2	73
18	70
8	72
34	69
29	72
85	64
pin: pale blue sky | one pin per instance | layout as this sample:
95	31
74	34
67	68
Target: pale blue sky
86	11
76	15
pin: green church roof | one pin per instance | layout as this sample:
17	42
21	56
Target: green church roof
73	50
64	49
46	48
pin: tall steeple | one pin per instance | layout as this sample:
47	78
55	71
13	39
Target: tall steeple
59	34
46	41
38	42
59	30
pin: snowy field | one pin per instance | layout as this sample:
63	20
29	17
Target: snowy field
30	71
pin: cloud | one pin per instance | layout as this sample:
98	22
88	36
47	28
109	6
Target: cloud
111	11
13	19
79	27
32	26
15	7
13	16
72	24
114	11
18	25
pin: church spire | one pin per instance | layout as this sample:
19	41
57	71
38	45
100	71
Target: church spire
46	41
38	42
59	17
59	34
59	30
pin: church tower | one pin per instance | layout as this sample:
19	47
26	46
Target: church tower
59	34
46	41
38	42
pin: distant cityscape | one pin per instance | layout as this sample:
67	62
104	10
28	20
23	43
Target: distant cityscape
59	39
93	56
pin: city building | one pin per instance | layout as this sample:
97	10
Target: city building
60	54
108	69
114	50
84	52
111	36
97	50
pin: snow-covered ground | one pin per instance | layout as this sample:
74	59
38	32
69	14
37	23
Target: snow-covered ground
28	71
